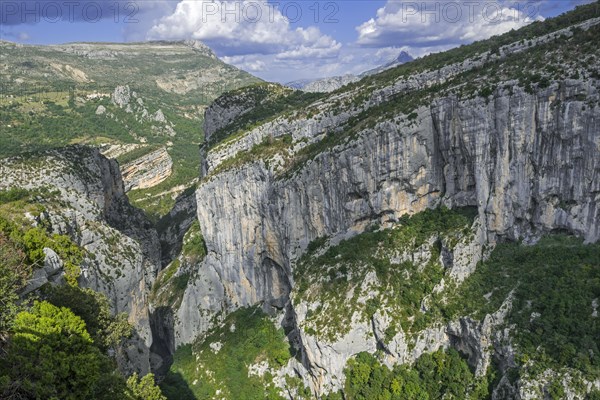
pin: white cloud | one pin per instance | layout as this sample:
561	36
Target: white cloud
284	67
442	24
247	63
305	52
234	28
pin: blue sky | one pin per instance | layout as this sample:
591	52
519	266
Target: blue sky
284	40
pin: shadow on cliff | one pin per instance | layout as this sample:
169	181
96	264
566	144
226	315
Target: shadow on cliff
162	324
172	227
175	387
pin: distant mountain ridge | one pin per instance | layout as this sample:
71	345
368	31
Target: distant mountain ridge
325	85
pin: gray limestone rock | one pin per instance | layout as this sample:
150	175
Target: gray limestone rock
101	110
122	249
121	96
528	162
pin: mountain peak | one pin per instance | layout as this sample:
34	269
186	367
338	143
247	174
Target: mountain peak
403	57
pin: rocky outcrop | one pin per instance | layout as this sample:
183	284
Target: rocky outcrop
498	156
52	271
402	58
86	200
329	116
114	150
327	85
222	112
148	170
121	96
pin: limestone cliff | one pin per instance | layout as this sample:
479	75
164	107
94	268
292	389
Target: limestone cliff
87	202
329	84
524	152
148	170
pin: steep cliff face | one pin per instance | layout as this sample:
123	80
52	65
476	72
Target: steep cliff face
147	171
358	220
499	157
122	253
529	162
526	155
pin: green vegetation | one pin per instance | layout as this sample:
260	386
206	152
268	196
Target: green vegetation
33	241
157	201
143	389
554	285
80	124
24	199
14	272
593	395
401	286
21	249
14	194
170	285
194	248
106	330
56	103
136	153
57	348
440	375
247	336
268	101
52	356
263	151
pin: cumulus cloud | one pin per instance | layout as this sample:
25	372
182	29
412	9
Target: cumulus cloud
442	24
247	63
307	52
246	27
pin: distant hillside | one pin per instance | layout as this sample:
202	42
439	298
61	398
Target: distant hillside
132	100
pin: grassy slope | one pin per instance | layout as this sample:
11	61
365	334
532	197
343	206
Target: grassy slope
329	276
555	283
